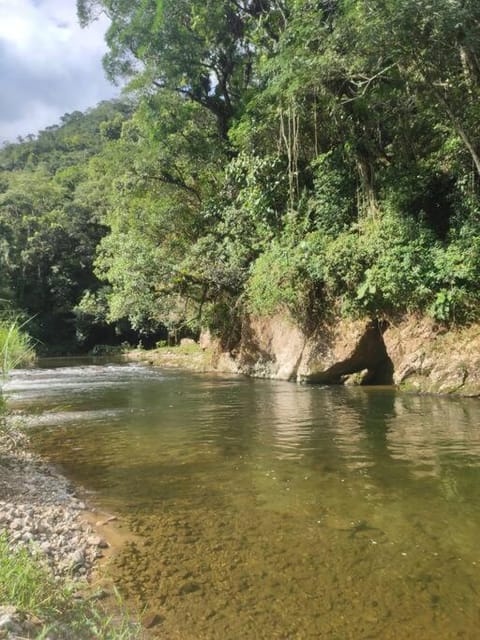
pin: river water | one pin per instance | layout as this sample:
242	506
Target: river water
269	510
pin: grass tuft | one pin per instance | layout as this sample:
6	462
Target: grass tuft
28	585
16	347
25	583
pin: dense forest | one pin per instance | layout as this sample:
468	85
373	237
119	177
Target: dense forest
318	158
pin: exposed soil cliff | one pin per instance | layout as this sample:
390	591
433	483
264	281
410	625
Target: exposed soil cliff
414	353
429	358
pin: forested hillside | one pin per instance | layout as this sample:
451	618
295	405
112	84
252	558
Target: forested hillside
316	158
52	209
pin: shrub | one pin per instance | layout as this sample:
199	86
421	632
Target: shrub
279	280
333	204
457	273
385	264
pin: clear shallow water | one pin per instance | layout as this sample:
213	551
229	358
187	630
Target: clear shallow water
270	510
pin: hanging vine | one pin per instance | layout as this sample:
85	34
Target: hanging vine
290	143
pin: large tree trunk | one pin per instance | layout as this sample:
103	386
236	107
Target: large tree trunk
366	175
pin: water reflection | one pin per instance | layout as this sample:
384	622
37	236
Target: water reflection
272	510
356	430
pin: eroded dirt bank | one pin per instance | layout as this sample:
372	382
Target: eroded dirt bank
414	353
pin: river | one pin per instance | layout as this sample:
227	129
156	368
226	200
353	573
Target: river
265	509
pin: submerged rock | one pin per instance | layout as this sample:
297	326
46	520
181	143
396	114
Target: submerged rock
151	620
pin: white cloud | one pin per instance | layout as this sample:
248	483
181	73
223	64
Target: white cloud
48	64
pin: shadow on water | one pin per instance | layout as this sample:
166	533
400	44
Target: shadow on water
270	510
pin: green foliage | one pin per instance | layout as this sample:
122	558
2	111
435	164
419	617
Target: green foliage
27	584
270	286
16	347
199	50
49	220
289	275
182	349
333	206
399	270
275	156
457	273
382	265
244	218
444	304
161	171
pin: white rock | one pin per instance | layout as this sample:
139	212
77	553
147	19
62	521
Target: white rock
16	524
78	557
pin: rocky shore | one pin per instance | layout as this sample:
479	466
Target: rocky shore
40	511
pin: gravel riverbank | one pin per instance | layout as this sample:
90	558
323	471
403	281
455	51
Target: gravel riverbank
40	511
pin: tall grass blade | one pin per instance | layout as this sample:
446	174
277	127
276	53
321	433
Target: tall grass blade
16	347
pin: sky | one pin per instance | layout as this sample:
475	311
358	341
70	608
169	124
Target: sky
49	65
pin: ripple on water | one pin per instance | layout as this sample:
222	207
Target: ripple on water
269	510
77	418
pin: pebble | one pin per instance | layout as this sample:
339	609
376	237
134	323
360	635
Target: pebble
151	620
9	621
102	523
18	625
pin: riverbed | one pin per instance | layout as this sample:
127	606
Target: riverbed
264	509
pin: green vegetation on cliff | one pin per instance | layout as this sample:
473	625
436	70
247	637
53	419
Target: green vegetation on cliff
273	155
